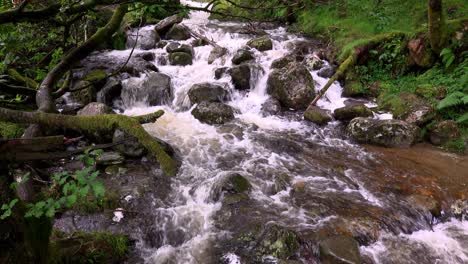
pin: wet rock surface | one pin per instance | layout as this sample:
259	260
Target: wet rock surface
242	55
263	43
349	112
93	109
317	115
155	89
207	92
213	113
240	75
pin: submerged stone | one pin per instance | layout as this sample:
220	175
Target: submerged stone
213	113
109	158
241	56
349	112
339	250
317	115
180	58
207	92
263	43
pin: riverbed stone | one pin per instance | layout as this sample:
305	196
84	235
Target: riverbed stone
155	89
129	145
240	76
387	133
292	85
178	32
271	107
216	53
282	62
277	241
109	92
420	52
213	113
207	92
180	58
164	25
232	187
263	43
94	108
408	107
339	250
444	132
327	71
349	112
313	62
147	38
177	47
242	55
317	115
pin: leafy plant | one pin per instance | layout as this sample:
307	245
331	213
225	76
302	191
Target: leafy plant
447	57
454	99
6	208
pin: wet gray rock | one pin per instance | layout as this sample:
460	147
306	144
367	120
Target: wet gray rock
109	92
177	47
164	25
282	62
242	55
271	107
213	113
339	250
109	158
240	75
349	112
292	85
219	72
327	72
317	115
147	56
444	132
180	58
178	32
232	187
387	133
155	89
277	241
207	92
216	53
147	38
130	147
93	109
263	43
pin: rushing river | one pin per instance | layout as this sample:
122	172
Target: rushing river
332	184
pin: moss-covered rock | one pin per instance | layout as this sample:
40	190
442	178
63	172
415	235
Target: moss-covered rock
232	187
263	43
317	115
339	250
95	76
88	248
292	85
282	62
352	86
429	91
213	113
387	133
180	58
207	92
277	241
349	112
240	75
408	107
420	52
95	108
10	130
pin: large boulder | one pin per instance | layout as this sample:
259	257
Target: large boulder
213	113
178	32
109	92
317	115
128	145
164	25
444	132
277	241
263	43
292	85
230	186
282	62
93	109
207	92
408	107
240	76
180	58
216	53
420	52
313	62
349	112
327	72
387	133
155	89
339	250
241	56
147	38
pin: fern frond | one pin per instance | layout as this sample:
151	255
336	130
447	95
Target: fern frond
463	119
465	99
451	100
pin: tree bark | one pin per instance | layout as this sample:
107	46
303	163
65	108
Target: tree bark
437	26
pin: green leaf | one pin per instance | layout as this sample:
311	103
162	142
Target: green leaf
83	192
451	100
13	202
98	189
71	200
4	206
463	119
6	214
50	212
40	205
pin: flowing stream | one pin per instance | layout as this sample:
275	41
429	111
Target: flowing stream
342	185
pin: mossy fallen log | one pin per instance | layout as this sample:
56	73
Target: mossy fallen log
101	124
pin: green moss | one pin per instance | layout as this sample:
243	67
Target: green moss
92	205
393	103
10	130
455	146
83	247
95	76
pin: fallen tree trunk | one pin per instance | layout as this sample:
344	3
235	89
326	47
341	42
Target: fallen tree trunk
100	124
